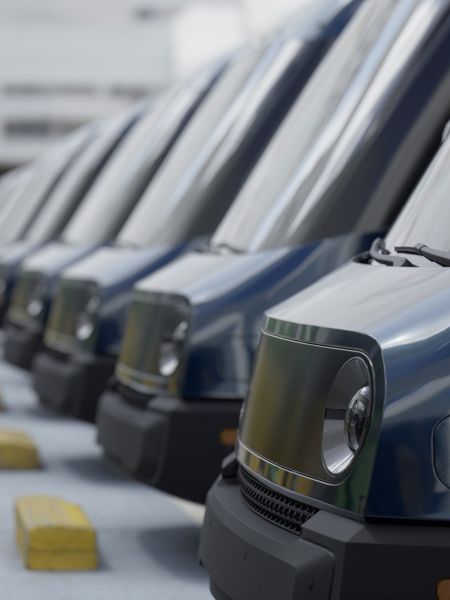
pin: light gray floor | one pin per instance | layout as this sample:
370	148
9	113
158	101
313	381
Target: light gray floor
148	542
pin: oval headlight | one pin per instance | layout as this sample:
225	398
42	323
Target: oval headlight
347	416
171	349
87	319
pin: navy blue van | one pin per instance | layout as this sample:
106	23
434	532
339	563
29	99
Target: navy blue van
339	169
44	175
342	478
55	192
24	207
184	204
101	210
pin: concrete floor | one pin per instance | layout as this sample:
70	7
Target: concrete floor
147	540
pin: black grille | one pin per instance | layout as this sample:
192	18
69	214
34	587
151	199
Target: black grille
280	510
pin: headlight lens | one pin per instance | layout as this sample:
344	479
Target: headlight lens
357	418
87	319
347	416
171	349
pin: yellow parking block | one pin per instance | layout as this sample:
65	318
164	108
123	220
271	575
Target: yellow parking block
17	450
54	535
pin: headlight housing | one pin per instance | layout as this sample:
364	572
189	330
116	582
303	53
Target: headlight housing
154	345
87	319
36	300
347	415
169	319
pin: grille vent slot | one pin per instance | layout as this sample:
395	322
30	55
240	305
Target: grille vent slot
272	506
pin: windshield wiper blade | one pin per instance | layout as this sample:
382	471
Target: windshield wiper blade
438	256
224	247
379	253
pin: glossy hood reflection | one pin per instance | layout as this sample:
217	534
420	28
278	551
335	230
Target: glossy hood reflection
227	294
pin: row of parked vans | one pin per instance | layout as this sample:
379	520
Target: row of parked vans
256	265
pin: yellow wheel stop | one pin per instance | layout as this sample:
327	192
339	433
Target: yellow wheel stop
17	450
54	535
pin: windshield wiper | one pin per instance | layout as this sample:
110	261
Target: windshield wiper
379	253
438	256
224	247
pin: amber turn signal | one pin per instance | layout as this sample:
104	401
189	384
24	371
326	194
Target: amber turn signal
443	590
228	437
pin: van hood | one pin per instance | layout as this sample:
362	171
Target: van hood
119	267
13	254
382	302
226	295
205	277
53	258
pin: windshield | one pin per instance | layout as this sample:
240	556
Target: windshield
46	174
165	194
426	217
70	190
115	193
286	197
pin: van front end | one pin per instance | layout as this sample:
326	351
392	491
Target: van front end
82	337
145	424
171	415
67	370
340	488
249	556
33	292
25	319
11	257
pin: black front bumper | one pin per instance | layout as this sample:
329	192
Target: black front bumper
72	384
335	558
22	344
173	444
